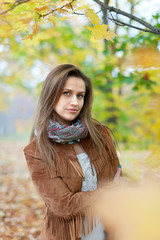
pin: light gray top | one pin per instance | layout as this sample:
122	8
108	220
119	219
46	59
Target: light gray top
88	184
90	181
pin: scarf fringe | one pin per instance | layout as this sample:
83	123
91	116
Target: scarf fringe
72	225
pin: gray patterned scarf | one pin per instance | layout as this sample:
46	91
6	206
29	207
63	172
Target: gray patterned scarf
67	134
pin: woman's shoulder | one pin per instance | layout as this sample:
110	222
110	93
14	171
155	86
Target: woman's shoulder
32	149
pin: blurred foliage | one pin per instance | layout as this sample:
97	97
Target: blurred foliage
26	17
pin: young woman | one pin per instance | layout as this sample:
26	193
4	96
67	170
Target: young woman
69	156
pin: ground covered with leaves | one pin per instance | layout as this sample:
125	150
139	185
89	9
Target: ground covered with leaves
21	209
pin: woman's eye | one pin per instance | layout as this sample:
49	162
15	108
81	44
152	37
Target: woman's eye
66	93
80	96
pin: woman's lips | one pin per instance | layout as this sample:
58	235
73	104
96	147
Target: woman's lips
72	110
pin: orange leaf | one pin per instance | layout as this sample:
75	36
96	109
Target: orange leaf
35	29
26	20
41	8
60	10
30	36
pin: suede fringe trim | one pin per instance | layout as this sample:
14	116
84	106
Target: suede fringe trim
71	227
78	168
99	164
72	168
109	157
64	169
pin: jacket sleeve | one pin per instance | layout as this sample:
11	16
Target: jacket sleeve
55	193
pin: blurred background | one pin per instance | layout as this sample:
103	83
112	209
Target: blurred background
125	75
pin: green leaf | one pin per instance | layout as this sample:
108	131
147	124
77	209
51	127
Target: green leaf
22	8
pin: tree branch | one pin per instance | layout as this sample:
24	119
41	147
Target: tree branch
118	22
103	6
17	3
54	10
130	16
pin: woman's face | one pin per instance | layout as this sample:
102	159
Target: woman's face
71	100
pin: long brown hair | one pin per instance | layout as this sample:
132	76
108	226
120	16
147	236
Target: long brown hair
51	91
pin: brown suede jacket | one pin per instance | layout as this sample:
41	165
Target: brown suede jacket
60	188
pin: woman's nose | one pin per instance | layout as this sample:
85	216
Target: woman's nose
74	100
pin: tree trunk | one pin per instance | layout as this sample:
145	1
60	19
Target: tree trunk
109	49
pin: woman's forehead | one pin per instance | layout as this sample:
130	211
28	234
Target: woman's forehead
75	83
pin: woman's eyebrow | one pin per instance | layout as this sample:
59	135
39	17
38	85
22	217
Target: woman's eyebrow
72	90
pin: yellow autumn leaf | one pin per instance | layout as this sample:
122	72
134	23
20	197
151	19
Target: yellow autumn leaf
92	16
100	32
109	35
